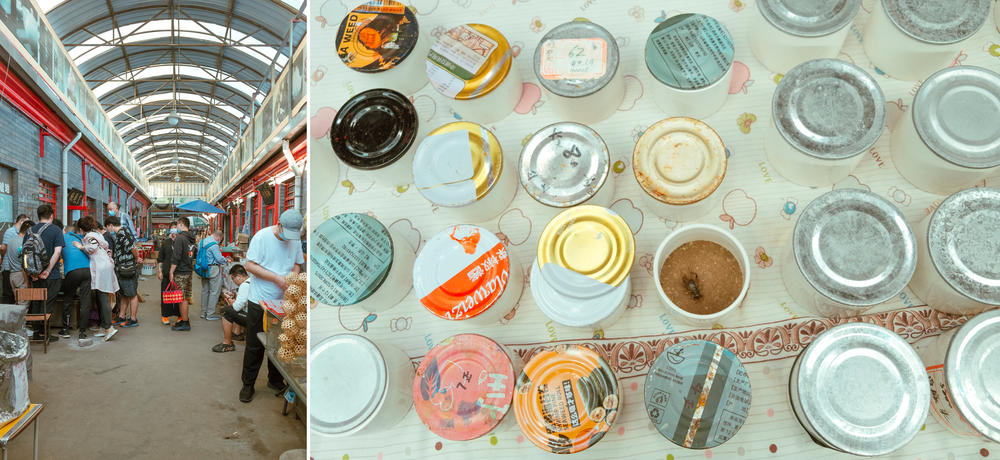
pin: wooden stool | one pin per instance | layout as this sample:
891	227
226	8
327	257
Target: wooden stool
13	428
29	294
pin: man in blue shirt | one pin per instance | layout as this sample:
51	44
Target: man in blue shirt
123	216
211	286
76	264
10	250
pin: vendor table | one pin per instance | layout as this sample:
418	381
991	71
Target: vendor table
15	427
759	207
294	372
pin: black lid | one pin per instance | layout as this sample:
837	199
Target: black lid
374	129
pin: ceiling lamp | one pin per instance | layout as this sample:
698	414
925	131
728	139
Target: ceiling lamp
173	119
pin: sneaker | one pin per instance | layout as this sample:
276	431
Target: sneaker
111	333
165	320
224	347
246	394
64	333
83	334
203	314
213	317
181	326
130	323
118	321
100	333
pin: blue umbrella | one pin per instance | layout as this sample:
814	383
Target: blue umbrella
200	206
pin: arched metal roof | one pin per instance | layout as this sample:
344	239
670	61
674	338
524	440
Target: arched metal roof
210	61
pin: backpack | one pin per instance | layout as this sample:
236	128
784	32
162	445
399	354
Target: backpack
34	253
201	266
125	263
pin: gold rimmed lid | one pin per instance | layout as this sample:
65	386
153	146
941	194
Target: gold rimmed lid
590	240
457	164
469	61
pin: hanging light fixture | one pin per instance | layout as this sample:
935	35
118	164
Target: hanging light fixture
173	119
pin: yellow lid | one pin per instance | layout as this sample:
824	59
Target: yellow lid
679	161
469	61
590	240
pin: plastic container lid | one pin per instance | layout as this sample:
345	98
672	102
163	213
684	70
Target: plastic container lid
861	389
457	164
567	399
377	36
709	377
350	257
581	272
576	59
373	129
938	21
955	113
972	374
829	109
963	238
469	61
464	387
564	164
351	375
461	272
809	18
679	161
689	51
854	247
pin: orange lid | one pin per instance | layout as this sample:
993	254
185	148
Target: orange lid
463	387
567	399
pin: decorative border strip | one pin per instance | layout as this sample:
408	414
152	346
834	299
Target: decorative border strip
632	356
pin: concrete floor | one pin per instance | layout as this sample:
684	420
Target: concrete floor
151	393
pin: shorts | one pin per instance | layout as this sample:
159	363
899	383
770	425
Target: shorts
183	283
128	287
235	317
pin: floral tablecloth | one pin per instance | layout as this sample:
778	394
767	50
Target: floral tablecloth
759	207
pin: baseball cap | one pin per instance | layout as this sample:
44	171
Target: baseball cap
291	224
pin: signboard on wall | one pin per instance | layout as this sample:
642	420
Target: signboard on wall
6	196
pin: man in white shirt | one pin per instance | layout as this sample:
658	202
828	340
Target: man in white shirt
274	253
236	311
10	251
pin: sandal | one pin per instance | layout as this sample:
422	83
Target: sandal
224	347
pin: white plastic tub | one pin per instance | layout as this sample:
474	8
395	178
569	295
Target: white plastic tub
588	87
693	84
950	139
481	89
910	42
810	143
400	64
786	33
357	386
701	232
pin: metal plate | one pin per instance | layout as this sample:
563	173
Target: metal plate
862	389
577	33
963	238
348	377
973	374
938	21
564	164
377	35
854	247
374	129
955	113
809	18
829	109
705	51
458	164
351	255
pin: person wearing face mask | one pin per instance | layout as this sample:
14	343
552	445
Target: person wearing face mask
273	254
124	217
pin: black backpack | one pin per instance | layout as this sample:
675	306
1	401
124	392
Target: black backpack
35	255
